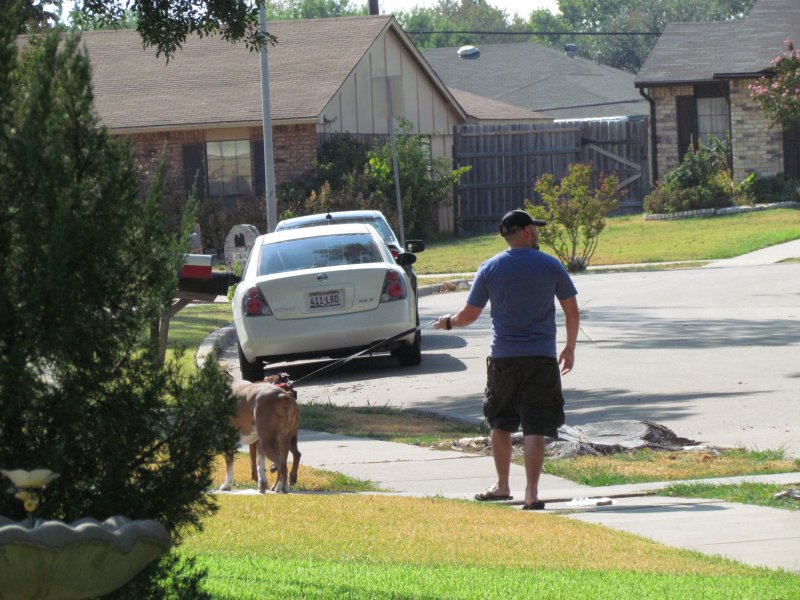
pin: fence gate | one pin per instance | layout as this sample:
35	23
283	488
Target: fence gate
507	160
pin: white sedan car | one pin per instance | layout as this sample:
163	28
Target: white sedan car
326	291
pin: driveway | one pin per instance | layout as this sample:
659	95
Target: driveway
713	354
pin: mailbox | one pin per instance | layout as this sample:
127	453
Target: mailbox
197	277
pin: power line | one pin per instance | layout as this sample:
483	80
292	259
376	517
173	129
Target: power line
568	33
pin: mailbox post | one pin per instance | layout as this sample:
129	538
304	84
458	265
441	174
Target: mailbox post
197	282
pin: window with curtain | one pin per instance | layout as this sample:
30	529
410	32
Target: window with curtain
712	118
229	168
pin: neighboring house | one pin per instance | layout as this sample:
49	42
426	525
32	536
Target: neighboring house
540	79
485	111
204	105
697	79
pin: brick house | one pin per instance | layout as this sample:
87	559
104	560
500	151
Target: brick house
696	79
204	105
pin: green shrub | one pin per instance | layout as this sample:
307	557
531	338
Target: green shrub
88	267
773	188
701	180
575	213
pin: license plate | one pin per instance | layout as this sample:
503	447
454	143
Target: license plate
322	300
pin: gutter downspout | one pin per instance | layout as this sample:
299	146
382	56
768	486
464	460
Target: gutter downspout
653	145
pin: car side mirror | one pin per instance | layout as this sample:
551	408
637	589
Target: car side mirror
415	245
406	259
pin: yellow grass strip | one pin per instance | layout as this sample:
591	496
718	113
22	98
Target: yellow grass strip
430	531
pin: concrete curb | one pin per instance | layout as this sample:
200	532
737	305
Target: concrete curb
728	210
215	343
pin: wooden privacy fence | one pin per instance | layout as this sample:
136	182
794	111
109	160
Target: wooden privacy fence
507	160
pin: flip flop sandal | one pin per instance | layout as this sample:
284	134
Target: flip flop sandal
484	497
538	505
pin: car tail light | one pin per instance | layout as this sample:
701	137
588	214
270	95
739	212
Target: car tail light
254	303
394	288
395	251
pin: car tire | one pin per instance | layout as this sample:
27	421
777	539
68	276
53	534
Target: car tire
251	371
411	355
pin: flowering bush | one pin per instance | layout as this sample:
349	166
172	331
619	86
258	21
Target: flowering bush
575	212
779	95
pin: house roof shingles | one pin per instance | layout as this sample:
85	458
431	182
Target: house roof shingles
699	52
540	79
486	109
211	81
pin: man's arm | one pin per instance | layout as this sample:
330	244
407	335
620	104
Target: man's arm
572	314
467	315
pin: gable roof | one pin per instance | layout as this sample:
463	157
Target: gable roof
481	108
213	82
540	79
703	52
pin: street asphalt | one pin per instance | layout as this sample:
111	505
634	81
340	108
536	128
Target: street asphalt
752	535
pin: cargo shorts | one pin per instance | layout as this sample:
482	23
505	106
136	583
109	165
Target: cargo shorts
524	390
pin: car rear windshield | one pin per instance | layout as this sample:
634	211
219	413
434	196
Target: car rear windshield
379	224
315	252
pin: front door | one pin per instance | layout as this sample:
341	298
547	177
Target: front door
791	150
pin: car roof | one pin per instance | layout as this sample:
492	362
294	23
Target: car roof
318	231
330	216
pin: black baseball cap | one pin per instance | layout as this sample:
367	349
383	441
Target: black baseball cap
515	220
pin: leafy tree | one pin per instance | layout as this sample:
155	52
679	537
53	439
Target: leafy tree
87	266
455	15
36	17
575	213
167	24
778	95
312	9
603	16
424	181
88	22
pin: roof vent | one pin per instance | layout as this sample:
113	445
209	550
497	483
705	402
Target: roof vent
570	50
468	52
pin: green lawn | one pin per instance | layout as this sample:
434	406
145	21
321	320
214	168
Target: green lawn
376	546
631	239
192	325
321	545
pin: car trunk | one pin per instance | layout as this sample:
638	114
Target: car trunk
338	290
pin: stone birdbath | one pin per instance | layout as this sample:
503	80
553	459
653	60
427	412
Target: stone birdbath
51	560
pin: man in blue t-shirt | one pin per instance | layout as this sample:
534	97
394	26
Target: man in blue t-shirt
523	384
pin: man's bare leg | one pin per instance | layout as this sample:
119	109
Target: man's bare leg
534	459
501	452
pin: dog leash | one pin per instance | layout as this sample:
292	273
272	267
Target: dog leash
343	361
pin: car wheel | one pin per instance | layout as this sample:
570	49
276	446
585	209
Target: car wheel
411	355
251	371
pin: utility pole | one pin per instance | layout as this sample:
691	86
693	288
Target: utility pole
266	118
395	169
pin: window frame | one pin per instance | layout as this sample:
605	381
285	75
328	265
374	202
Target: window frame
688	114
231	185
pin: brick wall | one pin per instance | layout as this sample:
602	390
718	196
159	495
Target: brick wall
667	125
757	146
294	151
147	149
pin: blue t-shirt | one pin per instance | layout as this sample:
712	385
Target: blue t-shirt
521	285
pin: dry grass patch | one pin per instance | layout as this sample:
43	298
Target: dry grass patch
659	465
308	479
384	423
431	531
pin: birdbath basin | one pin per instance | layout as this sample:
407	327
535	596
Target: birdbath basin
52	560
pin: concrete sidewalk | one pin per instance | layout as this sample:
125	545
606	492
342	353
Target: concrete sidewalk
753	535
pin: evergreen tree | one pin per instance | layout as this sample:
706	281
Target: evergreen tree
87	265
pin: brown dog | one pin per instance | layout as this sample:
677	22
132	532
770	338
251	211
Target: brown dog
268	418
